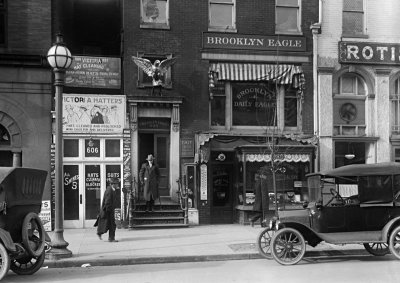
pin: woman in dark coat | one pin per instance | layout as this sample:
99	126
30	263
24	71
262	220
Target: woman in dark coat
106	221
149	177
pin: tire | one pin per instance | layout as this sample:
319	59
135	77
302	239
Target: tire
4	261
394	242
377	249
33	235
27	265
288	246
264	242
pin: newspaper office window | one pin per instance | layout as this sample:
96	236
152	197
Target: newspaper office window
222	15
288	16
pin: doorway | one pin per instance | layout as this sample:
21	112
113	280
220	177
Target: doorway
158	145
222	198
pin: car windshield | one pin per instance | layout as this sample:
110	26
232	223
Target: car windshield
314	188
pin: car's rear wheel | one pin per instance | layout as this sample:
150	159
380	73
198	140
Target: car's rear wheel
288	246
264	242
4	261
377	249
27	265
394	242
33	234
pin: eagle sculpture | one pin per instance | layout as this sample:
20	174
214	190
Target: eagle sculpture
156	71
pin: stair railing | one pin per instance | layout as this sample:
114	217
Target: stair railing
183	198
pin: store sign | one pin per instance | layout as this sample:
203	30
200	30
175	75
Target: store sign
187	147
369	53
154	123
254	42
94	72
94	114
45	215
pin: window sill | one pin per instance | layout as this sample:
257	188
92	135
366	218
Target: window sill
288	33
154	26
355	36
227	30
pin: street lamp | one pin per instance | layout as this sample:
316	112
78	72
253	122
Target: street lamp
60	59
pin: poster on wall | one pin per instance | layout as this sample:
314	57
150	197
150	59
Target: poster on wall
94	114
94	72
45	215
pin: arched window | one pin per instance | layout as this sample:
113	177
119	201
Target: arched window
4	136
395	115
351	84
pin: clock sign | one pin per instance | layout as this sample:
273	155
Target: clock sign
348	112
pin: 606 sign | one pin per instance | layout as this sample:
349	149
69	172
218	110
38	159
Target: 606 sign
92	148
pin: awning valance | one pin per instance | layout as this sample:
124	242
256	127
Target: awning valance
280	73
281	157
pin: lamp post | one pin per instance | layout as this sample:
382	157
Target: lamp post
60	59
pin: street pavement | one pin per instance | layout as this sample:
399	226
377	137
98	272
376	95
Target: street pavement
169	245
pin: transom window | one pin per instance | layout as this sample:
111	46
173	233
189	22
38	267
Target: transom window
154	14
288	16
222	15
353	17
92	148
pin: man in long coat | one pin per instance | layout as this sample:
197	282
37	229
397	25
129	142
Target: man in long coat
106	221
149	177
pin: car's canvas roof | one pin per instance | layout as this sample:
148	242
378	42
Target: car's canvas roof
385	168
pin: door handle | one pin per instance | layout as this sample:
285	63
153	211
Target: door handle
80	199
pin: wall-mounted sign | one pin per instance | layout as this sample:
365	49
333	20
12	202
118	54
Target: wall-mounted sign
203	182
369	53
154	123
45	215
187	147
89	113
92	148
94	72
254	42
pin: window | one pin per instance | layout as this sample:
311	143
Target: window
71	148
353	17
3	22
154	14
5	138
113	148
395	115
287	17
252	104
351	84
222	14
92	149
396	154
146	81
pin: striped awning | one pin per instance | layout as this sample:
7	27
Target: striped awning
280	73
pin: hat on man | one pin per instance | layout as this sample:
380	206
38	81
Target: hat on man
114	180
150	157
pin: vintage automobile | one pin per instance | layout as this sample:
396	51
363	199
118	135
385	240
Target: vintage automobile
353	204
22	235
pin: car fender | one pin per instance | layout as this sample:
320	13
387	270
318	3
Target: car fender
7	241
309	234
388	227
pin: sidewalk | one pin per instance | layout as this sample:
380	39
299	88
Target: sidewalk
196	243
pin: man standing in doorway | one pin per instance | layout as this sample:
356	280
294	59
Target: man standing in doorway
107	217
149	177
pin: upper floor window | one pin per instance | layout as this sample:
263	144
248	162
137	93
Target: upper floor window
353	17
3	22
222	15
154	14
351	84
287	18
5	138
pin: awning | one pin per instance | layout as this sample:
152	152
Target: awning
280	73
281	157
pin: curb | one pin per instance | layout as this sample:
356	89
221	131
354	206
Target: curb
67	263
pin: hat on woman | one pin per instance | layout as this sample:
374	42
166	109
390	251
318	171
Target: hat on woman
150	157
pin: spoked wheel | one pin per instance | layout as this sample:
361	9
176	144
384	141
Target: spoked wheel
377	249
264	242
288	246
33	235
4	262
394	242
27	265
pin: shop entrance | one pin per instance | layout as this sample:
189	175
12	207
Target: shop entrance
158	145
222	196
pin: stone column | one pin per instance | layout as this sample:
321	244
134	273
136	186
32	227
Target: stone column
174	154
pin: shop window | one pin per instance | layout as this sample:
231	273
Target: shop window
288	19
222	15
146	81
347	153
218	103
113	148
71	148
353	18
395	113
3	22
154	14
349	106
291	108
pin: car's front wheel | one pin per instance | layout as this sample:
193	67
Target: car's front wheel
264	242
377	249
288	246
394	242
